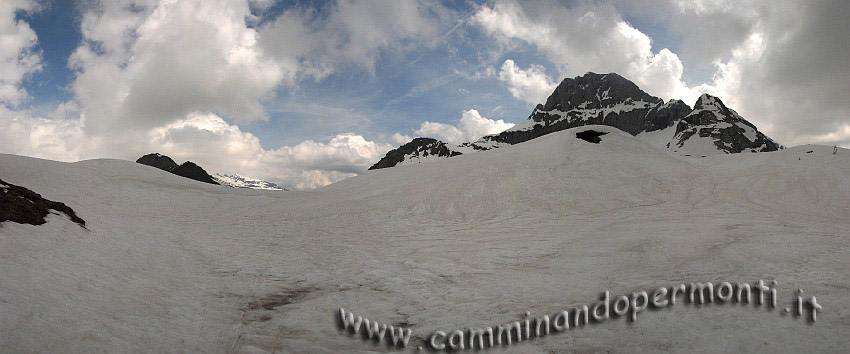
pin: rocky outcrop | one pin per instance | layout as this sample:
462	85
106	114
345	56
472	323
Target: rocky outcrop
714	128
190	170
417	150
159	161
24	206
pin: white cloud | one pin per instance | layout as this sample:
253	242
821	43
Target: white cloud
400	139
58	138
18	55
147	64
586	37
221	147
350	33
470	127
531	85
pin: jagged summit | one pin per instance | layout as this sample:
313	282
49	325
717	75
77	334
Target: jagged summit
612	100
595	91
418	149
713	128
159	161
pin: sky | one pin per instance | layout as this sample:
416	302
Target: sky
305	93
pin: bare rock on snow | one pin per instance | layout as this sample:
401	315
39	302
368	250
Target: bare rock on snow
24	206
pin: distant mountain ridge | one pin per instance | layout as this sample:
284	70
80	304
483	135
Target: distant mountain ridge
237	181
612	100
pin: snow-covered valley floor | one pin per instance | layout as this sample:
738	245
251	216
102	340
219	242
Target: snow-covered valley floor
173	265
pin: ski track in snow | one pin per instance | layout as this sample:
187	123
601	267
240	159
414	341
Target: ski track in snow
169	264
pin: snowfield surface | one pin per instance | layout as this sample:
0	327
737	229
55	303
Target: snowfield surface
173	265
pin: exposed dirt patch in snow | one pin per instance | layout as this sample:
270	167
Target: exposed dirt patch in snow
286	297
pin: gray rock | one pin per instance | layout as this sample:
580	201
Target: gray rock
725	128
417	148
161	162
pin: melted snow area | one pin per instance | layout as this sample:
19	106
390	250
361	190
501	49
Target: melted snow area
173	265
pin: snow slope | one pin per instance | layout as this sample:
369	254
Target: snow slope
169	264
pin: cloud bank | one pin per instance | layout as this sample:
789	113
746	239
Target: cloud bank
470	127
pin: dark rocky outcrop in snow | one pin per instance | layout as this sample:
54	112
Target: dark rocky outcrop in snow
419	148
590	136
159	161
190	170
23	206
714	123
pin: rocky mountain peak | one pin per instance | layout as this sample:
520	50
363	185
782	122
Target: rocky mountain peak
709	102
159	161
594	90
714	128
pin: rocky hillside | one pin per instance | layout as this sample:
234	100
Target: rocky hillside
188	169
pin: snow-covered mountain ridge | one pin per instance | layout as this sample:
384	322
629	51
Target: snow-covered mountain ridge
612	100
237	181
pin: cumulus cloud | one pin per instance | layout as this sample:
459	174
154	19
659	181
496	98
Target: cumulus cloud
586	37
225	147
470	127
531	85
400	139
143	64
18	55
710	29
789	76
45	137
349	33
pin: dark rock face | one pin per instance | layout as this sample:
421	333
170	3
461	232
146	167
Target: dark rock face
161	162
24	206
722	126
602	99
417	148
190	170
590	136
667	115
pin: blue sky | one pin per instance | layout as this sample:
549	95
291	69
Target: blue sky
307	93
405	89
